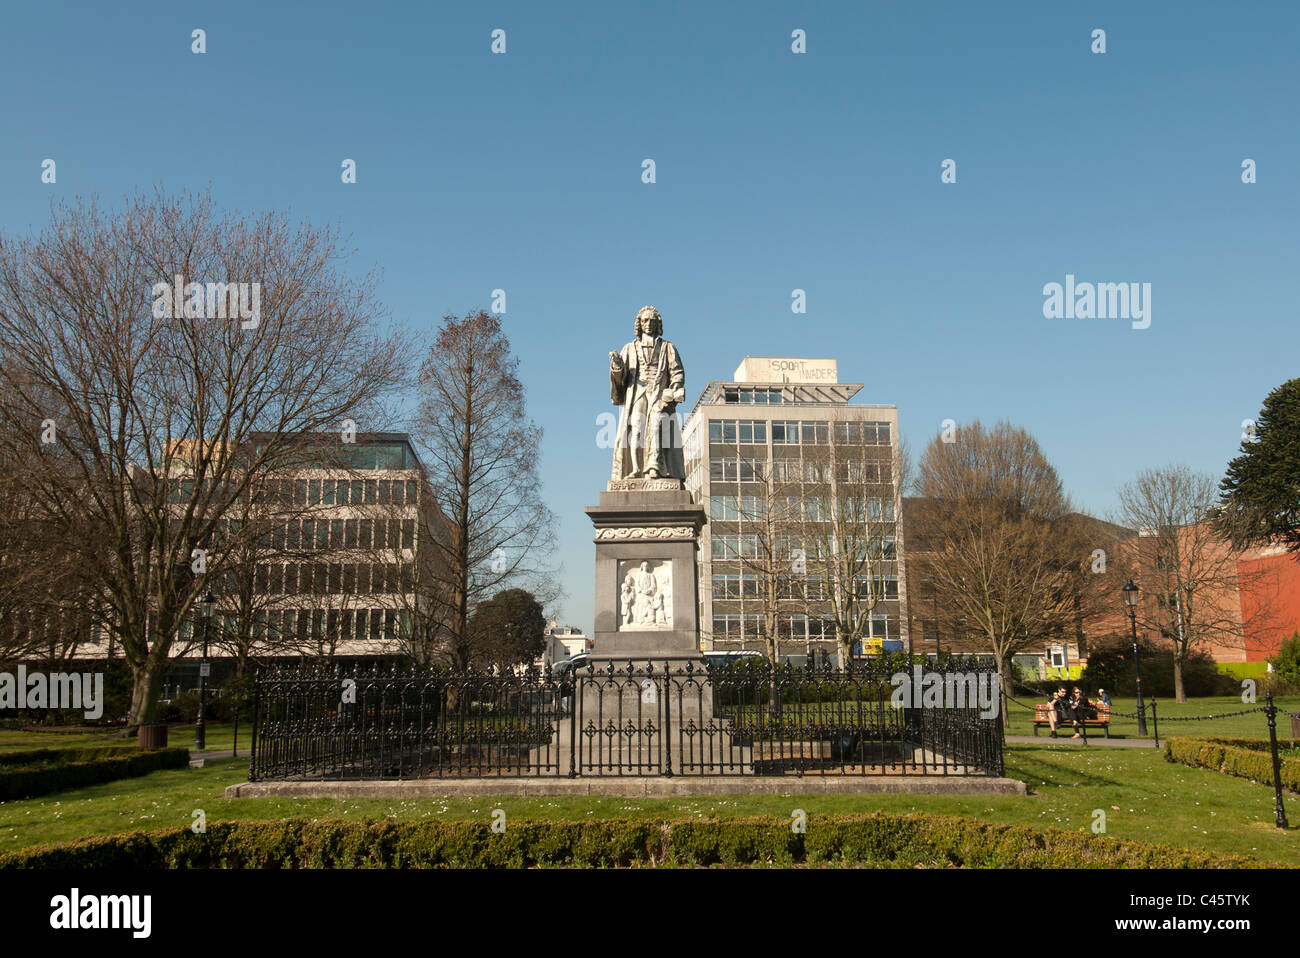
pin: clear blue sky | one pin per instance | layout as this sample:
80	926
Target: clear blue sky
775	171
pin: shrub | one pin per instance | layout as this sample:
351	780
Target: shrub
1242	758
1110	666
868	840
1247	758
1286	666
54	770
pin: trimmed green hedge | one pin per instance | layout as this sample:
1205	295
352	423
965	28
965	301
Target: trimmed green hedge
63	756
1248	758
53	770
870	840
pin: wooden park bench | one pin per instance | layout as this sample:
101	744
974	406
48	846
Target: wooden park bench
1102	720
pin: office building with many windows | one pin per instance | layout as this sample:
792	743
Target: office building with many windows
795	477
332	565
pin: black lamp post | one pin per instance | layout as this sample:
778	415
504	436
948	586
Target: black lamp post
200	728
1131	600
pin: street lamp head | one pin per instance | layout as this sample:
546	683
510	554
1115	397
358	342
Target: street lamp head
208	601
1130	594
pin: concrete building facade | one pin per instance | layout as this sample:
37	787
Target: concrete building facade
782	441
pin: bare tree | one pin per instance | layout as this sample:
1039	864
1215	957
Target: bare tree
183	356
1007	557
483	453
426	604
767	553
251	539
853	504
44	594
1188	569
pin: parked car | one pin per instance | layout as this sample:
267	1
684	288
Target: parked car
563	672
736	658
564	666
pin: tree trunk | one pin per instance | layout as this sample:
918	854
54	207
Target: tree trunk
145	681
1180	693
1003	677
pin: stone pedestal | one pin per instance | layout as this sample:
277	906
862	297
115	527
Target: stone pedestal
653	527
647	543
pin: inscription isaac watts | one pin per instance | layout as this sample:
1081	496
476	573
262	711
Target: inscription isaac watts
645	594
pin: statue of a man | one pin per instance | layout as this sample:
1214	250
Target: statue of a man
648	381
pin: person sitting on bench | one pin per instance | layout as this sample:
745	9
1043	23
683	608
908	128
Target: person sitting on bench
1056	710
1080	711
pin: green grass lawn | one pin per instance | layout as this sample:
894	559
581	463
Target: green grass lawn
1143	796
1168	711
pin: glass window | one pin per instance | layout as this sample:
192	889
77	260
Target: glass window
738	430
341	487
389	457
879	510
726	627
412	492
398	487
408	535
294	539
817	433
356	497
385	492
371	488
350	534
364	538
336	534
313	492
327	492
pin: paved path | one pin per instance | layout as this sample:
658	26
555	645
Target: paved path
197	758
1092	740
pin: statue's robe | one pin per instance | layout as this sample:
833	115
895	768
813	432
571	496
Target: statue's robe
649	435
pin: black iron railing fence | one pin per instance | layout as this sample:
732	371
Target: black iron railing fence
631	719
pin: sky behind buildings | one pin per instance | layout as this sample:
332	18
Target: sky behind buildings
775	171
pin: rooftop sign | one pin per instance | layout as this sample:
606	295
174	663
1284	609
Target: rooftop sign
766	370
